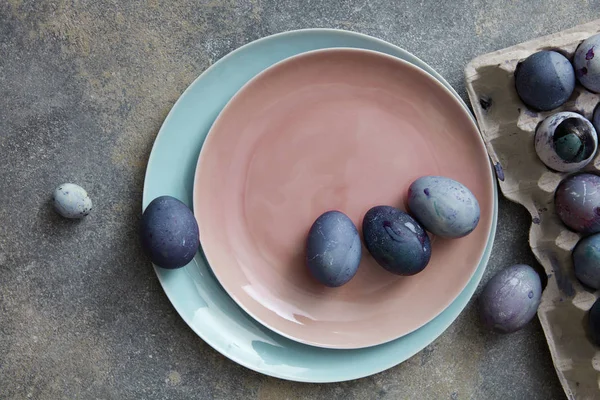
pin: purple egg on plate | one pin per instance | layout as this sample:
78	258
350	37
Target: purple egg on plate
396	240
443	206
169	232
333	249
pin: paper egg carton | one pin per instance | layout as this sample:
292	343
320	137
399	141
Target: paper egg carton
508	129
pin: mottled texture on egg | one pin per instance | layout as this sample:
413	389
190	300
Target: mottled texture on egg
545	80
510	299
587	63
594	322
577	202
396	240
71	201
333	249
169	232
566	141
586	261
443	206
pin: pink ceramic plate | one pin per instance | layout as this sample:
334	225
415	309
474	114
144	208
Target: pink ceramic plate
338	129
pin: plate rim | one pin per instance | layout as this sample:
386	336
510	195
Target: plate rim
219	121
163	276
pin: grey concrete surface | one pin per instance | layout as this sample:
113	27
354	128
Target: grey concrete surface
84	88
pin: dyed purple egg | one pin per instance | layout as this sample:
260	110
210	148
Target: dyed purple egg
443	206
586	261
510	299
577	202
396	241
587	63
333	249
169	232
566	141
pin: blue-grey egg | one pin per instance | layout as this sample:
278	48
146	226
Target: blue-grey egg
443	206
71	201
396	240
577	202
586	261
169	232
545	80
587	64
333	249
510	299
566	141
594	322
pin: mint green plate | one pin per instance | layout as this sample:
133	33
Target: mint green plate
195	292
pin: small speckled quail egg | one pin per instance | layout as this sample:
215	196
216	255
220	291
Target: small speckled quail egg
71	201
566	141
587	65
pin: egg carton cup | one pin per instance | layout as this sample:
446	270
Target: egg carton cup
508	129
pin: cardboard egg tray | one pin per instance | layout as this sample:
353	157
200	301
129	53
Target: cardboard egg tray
508	129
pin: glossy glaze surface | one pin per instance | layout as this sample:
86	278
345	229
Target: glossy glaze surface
341	129
194	291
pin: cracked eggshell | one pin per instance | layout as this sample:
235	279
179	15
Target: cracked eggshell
566	141
587	63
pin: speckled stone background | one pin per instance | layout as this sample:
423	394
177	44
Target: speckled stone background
84	88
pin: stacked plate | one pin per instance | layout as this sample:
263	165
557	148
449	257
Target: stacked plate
300	123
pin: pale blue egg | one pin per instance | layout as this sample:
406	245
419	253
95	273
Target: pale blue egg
72	201
443	206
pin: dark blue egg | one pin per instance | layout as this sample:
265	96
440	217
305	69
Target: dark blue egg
594	322
169	232
577	202
587	63
333	249
443	206
396	240
586	261
510	299
545	80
